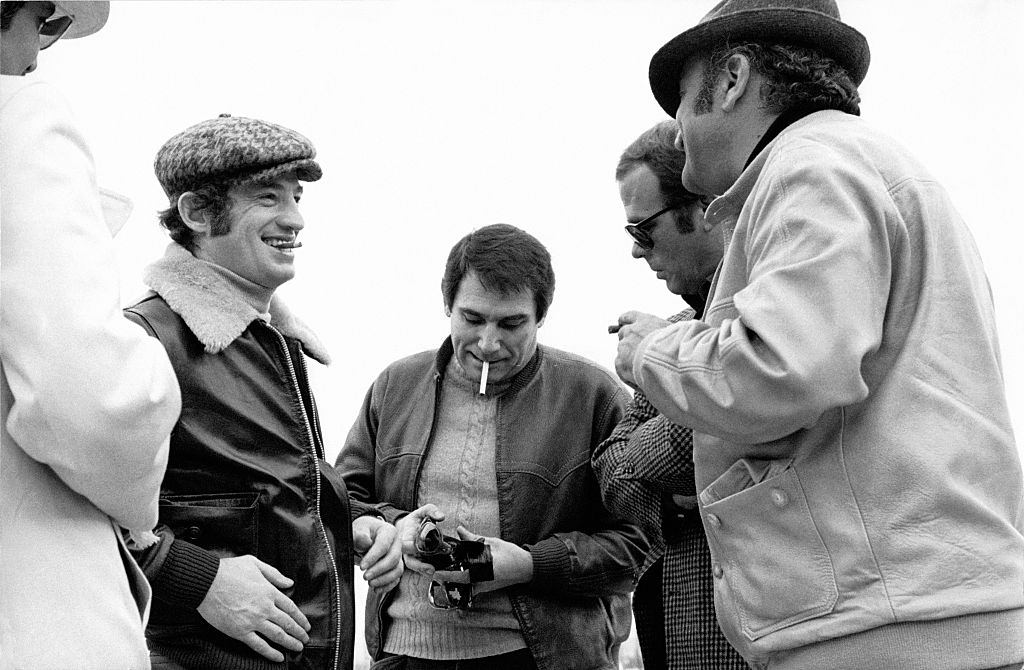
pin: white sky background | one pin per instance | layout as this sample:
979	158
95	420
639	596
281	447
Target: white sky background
434	118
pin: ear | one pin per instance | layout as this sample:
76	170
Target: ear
737	77
541	322
194	217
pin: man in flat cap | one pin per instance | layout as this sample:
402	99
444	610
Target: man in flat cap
857	473
253	568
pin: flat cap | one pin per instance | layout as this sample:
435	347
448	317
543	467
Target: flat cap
232	150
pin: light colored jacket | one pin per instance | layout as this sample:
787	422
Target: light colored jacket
88	402
859	480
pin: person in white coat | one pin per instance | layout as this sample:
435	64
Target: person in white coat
88	399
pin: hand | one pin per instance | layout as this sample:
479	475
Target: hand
633	328
377	542
244	602
512	564
408	526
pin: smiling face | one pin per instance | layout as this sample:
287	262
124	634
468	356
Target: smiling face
264	224
684	261
19	45
489	326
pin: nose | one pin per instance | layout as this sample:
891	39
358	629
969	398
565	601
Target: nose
678	141
490	341
638	251
292	217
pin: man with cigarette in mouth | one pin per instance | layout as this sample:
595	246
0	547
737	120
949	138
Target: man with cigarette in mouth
489	438
254	564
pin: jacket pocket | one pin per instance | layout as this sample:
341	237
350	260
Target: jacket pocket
226	524
775	566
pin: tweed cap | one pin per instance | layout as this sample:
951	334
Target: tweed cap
815	24
232	150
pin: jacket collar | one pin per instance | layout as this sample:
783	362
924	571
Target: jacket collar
519	381
212	308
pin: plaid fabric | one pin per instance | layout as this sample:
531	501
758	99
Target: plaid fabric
644	463
232	149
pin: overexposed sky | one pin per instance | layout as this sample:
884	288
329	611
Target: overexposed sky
434	118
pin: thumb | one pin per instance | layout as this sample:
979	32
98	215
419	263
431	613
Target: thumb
433	512
361	540
465	534
273	575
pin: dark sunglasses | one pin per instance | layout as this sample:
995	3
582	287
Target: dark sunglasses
641	232
52	30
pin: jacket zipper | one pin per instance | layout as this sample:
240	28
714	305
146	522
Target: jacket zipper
415	491
316	466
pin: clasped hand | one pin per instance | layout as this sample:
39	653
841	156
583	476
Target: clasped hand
511	563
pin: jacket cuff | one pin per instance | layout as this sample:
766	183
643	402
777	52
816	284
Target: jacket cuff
186	575
551	565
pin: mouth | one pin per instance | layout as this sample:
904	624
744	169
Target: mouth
285	245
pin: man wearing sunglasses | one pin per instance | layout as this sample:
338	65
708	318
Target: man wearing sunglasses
645	467
88	400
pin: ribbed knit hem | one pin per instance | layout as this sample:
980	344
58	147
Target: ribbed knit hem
986	640
186	575
551	565
436	641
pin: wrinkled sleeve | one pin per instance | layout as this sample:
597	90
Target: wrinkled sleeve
817	256
607	560
93	397
357	460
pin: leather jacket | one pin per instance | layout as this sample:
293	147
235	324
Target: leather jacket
575	612
246	475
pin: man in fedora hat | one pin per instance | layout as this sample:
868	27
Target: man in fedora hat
88	401
254	564
856	470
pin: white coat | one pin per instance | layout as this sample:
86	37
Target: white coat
88	402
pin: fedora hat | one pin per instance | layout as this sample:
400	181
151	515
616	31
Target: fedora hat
808	23
88	17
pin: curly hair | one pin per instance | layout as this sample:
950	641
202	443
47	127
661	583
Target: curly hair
506	260
213	198
656	149
794	77
7	12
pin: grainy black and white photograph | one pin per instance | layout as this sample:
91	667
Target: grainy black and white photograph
511	334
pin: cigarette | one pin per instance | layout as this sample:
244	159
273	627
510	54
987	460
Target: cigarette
614	328
483	378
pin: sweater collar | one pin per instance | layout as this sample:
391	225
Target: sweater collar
214	310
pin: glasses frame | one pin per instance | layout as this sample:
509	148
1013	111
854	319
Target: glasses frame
641	231
53	29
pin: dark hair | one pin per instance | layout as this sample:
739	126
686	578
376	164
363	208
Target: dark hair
506	260
212	197
794	77
7	12
656	149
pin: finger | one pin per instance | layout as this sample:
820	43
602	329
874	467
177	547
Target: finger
391	559
285	604
431	511
388	580
273	575
380	547
456	576
466	534
286	623
260	646
271	631
416	565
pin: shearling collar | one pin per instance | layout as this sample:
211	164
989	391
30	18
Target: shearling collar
212	308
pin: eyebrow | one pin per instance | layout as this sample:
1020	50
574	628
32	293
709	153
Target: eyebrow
510	317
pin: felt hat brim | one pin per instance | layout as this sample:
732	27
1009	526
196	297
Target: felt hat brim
799	27
89	17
